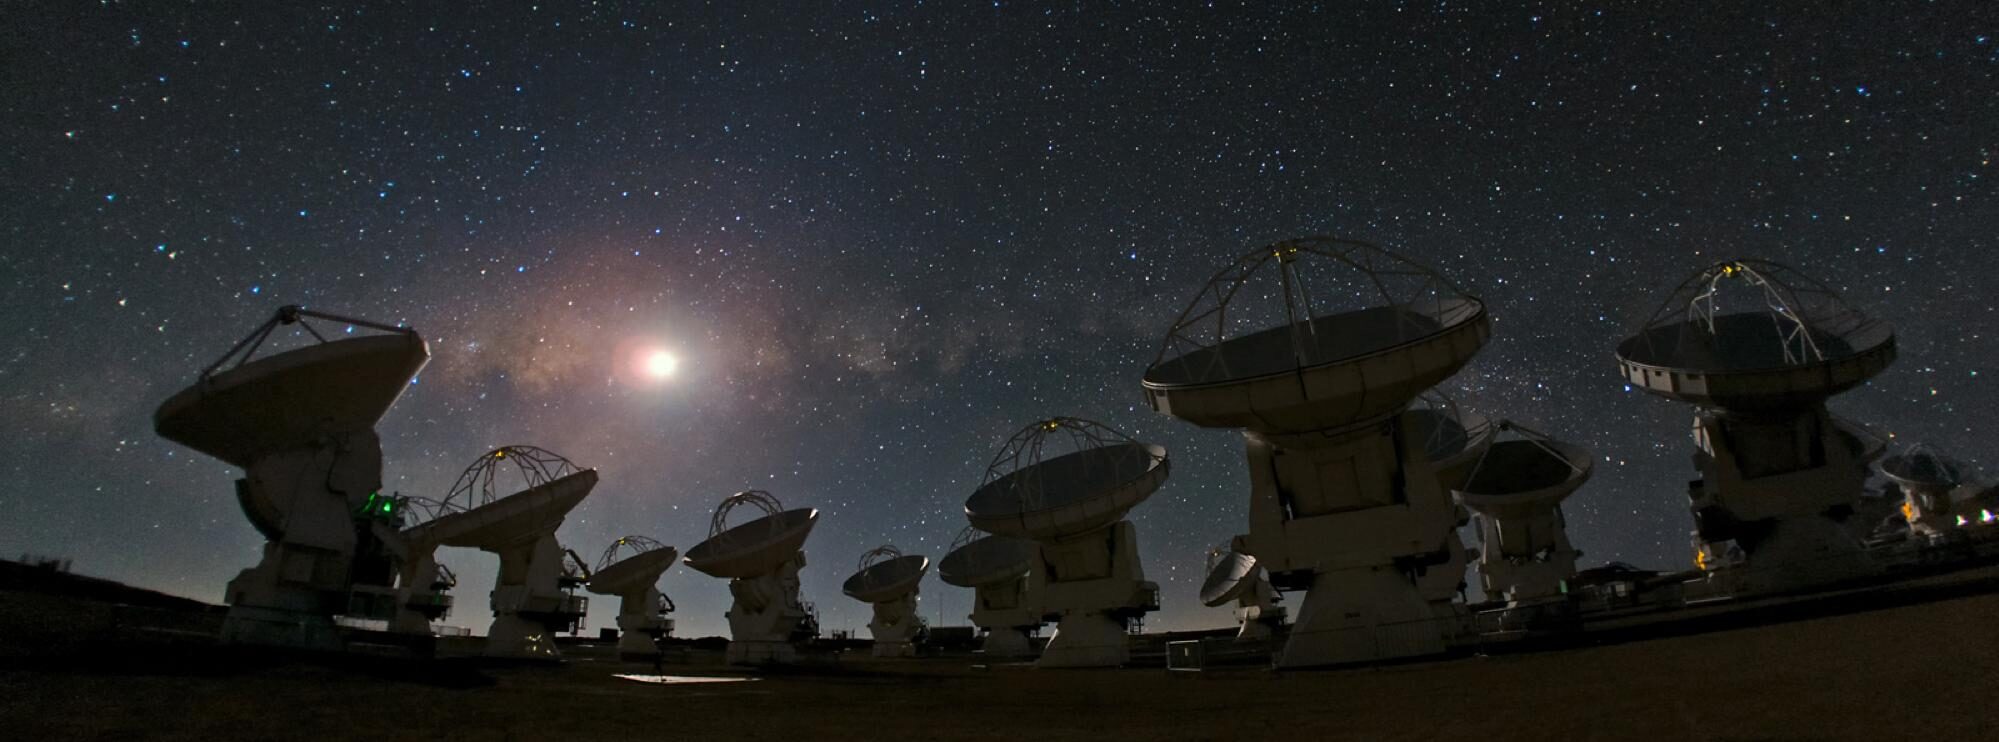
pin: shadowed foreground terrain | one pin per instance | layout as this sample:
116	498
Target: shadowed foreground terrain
1913	672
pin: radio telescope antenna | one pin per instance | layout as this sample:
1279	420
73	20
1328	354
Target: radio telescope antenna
422	583
1517	487
1234	577
996	567
1066	484
630	569
760	559
509	502
1316	348
1757	348
889	580
1927	478
301	425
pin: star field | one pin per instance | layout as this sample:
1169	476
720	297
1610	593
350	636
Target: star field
881	238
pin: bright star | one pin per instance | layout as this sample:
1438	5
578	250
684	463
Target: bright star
661	364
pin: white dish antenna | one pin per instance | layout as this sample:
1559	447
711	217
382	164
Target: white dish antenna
631	562
761	560
1757	348
1234	577
1453	436
1928	479
888	580
1230	576
1062	477
1276	342
996	567
1317	347
1066	483
630	569
886	574
1517	486
509	502
757	547
1922	466
244	408
978	558
301	424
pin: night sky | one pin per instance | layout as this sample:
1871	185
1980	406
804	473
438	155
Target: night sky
880	239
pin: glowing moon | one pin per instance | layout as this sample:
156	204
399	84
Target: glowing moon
660	364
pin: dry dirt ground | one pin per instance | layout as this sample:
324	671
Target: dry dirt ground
1921	672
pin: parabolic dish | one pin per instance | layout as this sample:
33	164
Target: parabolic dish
508	520
290	399
887	580
1071	494
1526	472
637	571
1796	343
1311	369
1233	574
1453	437
1922	466
755	548
988	560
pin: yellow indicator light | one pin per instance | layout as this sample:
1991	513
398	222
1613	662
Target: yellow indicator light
499	454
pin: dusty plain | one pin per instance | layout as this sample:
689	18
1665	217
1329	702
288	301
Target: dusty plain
1916	672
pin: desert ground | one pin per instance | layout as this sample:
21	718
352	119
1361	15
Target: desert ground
1911	672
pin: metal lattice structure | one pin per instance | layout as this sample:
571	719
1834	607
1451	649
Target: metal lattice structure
1019	460
288	315
878	555
1305	280
575	571
487	479
420	510
965	537
618	549
760	500
1804	312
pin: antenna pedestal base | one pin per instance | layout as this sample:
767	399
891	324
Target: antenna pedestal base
514	637
1006	642
1362	615
529	605
304	501
639	635
276	627
1797	553
419	601
1928	511
765	613
1530	579
1007	622
1770	483
1259	622
895	626
1095	582
1086	640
